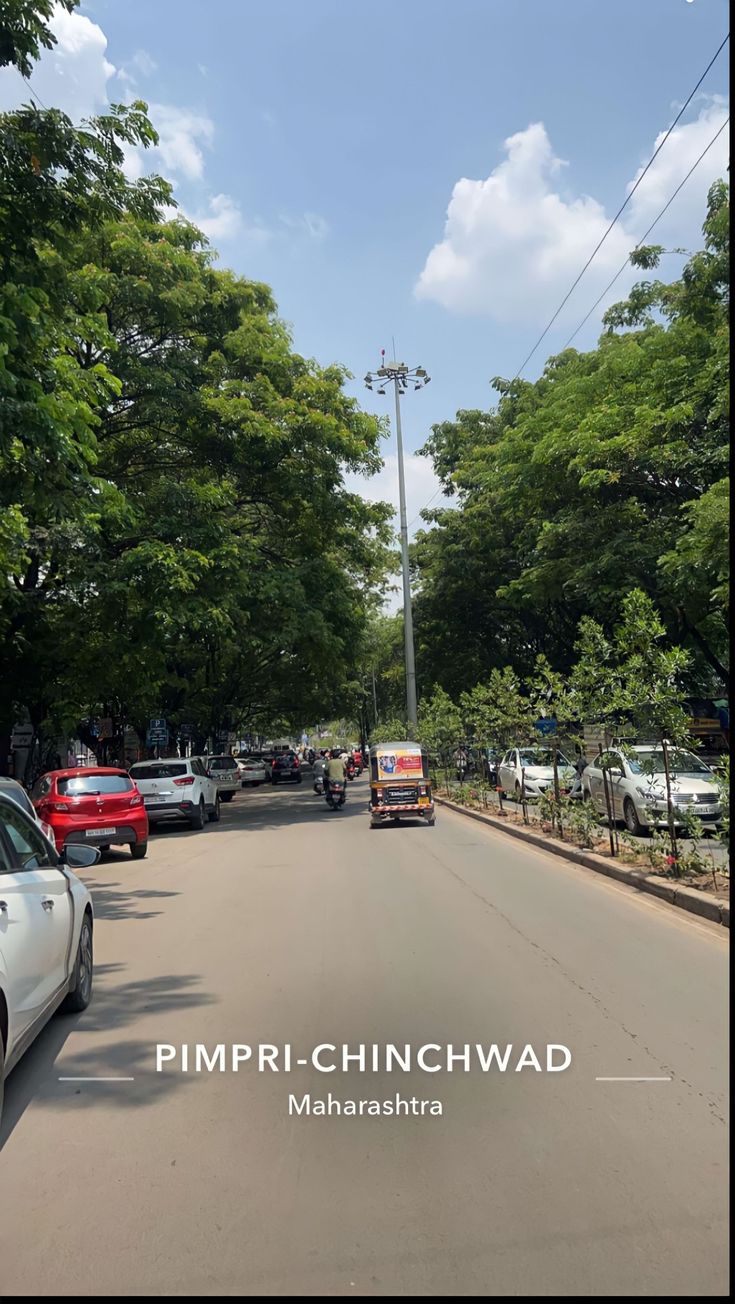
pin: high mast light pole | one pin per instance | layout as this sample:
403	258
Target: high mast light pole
401	376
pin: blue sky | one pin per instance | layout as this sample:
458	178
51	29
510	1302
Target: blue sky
321	143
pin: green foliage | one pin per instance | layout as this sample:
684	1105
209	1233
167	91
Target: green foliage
24	30
606	474
439	722
176	535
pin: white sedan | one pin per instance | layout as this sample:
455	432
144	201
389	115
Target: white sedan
636	785
531	769
252	772
46	926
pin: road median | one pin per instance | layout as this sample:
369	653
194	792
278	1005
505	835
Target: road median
677	894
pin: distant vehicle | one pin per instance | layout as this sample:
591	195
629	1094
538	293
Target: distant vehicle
335	792
177	789
11	788
265	758
532	769
99	806
224	771
287	766
637	786
46	926
252	772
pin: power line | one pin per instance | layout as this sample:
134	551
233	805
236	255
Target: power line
619	273
623	206
643	238
33	93
426	505
596	250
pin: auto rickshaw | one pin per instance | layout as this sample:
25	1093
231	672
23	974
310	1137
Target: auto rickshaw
400	787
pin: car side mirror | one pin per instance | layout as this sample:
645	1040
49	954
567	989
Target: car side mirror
78	856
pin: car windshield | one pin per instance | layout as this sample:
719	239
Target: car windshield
158	770
94	785
680	762
221	763
541	756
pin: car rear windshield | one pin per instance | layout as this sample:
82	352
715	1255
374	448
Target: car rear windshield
161	770
93	785
221	763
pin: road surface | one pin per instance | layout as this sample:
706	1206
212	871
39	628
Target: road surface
287	924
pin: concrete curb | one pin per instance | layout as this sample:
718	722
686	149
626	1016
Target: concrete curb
686	898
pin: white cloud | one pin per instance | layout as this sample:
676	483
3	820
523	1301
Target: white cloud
421	485
681	150
514	243
182	134
144	63
72	76
311	224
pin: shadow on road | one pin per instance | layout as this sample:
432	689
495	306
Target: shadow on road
114	1005
115	901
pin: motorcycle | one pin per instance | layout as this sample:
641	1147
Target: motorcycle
350	768
335	794
319	785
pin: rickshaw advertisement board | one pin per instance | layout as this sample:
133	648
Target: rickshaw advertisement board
400	763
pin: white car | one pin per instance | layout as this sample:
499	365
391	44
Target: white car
11	788
252	772
177	788
46	925
224	771
637	786
532	769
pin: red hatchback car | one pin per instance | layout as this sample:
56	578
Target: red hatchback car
96	805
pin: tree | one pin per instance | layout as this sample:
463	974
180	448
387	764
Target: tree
586	483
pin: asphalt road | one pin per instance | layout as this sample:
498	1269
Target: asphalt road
289	924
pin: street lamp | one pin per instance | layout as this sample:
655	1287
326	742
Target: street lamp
401	376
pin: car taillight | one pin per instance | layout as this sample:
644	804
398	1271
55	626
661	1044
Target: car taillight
58	805
47	830
184	781
135	801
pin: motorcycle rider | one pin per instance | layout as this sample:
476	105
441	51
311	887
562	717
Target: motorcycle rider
334	769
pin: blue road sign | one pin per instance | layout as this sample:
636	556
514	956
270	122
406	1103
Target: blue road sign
546	725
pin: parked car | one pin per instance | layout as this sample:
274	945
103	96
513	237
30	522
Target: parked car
177	789
224	771
266	760
98	805
537	765
252	772
11	788
46	926
286	766
637	786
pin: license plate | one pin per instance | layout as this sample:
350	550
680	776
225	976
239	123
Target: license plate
705	810
153	801
424	801
99	833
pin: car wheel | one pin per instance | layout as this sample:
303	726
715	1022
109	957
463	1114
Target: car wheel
138	850
632	822
226	796
197	820
298	778
215	815
81	991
